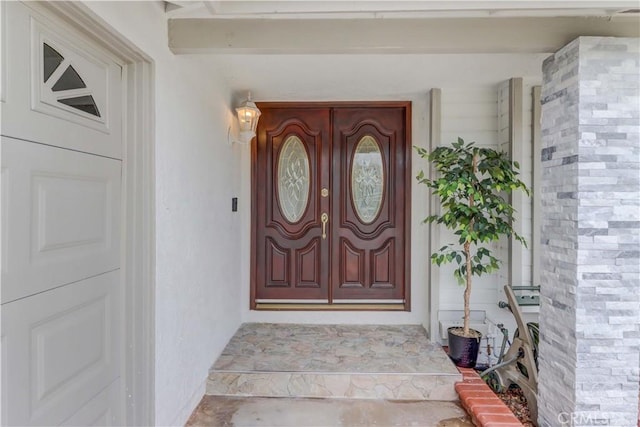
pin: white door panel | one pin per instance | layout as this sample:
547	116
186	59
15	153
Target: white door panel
3	50
63	346
60	211
4	384
102	410
60	84
61	216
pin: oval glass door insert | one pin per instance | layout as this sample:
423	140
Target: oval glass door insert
293	179
367	179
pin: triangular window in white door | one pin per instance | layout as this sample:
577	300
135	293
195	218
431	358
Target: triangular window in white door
69	80
51	61
68	83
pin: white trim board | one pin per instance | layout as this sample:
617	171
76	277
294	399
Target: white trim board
138	211
536	190
435	140
517	154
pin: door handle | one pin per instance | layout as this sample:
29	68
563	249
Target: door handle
324	218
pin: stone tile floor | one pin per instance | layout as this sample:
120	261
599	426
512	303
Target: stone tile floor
341	361
269	347
221	411
331	375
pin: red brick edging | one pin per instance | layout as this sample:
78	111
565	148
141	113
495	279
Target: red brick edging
486	409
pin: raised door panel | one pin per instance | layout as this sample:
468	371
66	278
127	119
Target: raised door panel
383	265
60	85
291	254
60	216
102	410
308	265
63	346
278	265
369	203
351	267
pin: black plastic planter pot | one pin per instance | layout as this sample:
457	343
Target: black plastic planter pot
463	351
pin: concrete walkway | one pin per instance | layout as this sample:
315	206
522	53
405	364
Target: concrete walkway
297	412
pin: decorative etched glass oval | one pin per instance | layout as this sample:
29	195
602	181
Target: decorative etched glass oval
293	179
367	179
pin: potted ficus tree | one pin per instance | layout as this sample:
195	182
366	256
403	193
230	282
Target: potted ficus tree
473	185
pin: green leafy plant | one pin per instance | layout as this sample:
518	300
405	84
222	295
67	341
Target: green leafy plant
473	185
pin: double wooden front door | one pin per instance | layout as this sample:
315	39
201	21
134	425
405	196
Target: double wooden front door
331	193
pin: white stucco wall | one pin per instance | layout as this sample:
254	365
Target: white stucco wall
197	234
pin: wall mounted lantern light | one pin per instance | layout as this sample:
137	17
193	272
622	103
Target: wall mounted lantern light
248	115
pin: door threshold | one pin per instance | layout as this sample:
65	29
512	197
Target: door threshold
329	307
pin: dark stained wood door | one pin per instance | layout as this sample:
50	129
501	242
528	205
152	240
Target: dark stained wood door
292	257
331	203
369	204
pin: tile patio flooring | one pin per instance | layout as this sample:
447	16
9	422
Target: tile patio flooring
340	361
331	375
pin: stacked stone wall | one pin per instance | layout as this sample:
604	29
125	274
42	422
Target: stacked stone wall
590	302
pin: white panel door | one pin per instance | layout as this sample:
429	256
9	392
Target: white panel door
60	213
58	83
62	350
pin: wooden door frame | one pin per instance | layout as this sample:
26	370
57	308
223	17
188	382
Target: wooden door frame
407	212
138	207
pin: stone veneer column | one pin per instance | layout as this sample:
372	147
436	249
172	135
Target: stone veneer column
590	297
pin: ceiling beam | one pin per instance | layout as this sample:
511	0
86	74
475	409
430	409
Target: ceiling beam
266	7
450	35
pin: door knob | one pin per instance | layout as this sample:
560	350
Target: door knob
324	218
